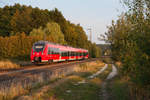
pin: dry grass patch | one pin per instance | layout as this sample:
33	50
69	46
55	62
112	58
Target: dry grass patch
75	78
97	81
89	67
25	98
39	92
13	91
118	64
6	64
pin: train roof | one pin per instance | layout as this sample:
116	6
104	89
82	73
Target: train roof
62	47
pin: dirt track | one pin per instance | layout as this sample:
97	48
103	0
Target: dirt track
111	75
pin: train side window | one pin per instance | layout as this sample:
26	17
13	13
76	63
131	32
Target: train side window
84	54
54	50
61	54
49	50
65	53
57	51
69	53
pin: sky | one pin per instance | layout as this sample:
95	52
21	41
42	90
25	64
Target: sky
94	14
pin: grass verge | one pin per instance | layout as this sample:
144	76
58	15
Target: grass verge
75	86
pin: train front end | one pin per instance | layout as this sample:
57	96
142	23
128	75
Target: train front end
38	52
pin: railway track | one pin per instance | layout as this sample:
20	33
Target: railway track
33	66
27	72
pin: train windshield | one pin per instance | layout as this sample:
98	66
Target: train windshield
38	47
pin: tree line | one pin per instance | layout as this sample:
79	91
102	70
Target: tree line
129	37
21	26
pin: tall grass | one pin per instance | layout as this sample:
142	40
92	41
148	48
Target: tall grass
6	64
90	66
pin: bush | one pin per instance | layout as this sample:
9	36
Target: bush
18	46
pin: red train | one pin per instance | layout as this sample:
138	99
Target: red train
44	51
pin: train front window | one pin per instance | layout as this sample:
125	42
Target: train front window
38	47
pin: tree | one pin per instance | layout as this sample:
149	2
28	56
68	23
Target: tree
21	21
38	32
52	31
5	17
129	38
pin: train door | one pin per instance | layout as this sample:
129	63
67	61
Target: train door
59	56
